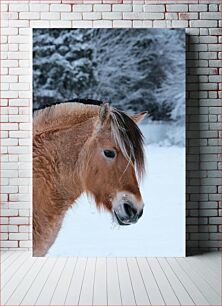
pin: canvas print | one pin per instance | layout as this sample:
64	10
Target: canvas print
108	142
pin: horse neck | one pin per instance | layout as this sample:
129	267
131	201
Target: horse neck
57	161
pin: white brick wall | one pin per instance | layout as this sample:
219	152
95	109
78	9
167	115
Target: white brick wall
200	17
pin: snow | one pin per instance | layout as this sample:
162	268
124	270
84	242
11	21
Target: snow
159	232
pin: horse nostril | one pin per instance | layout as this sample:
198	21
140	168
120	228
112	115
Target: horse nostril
130	211
140	214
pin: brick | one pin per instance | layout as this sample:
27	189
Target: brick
18	220
210	244
9	126
171	16
18	7
214	47
203	23
24	212
19	71
121	7
9	63
4	7
39	24
122	23
215	63
9	212
212	228
154	8
216	31
60	7
60	24
38	7
177	8
3	220
137	7
25	244
112	15
19	118
207	55
208	15
19	102
9	31
102	23
197	7
199	236
71	16
213	7
51	16
82	24
208	205
18	23
13	47
92	15
162	24
8	244
187	16
214	197
9	142
102	7
18	149
208	212
24	229
208	39
18	236
29	15
4	236
135	15
82	8
180	23
215	236
9	173
204	31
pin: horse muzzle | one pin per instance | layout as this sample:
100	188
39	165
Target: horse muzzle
126	213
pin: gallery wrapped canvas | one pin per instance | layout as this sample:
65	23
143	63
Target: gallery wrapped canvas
108	142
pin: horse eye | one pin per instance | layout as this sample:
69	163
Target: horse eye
109	153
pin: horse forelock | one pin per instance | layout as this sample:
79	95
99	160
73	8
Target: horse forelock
129	138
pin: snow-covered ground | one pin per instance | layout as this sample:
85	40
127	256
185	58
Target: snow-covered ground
160	231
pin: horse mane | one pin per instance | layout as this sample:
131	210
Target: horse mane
129	138
50	104
62	115
125	131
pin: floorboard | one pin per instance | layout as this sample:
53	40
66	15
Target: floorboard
180	291
61	290
208	292
27	280
100	283
187	282
86	294
74	290
113	284
126	289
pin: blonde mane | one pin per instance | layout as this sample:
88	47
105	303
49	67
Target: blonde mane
62	116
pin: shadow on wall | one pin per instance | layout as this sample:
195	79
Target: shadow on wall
194	222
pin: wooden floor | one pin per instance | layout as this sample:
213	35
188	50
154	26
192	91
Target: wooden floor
110	281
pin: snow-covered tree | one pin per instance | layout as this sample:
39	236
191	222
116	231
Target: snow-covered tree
133	69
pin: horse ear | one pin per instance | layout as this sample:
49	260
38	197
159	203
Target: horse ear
104	112
137	118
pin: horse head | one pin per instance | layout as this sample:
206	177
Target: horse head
114	161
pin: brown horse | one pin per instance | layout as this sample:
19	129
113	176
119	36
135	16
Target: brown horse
84	148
